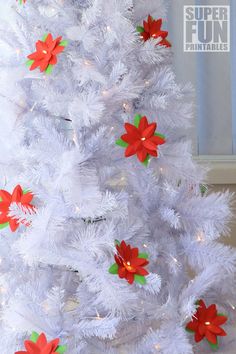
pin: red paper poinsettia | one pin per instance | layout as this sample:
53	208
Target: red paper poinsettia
46	53
38	344
206	322
152	29
18	196
141	139
129	263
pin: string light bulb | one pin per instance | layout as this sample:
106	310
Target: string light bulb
157	347
87	63
200	237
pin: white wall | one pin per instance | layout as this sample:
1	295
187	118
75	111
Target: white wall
210	74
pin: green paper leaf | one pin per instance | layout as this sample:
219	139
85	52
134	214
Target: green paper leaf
61	349
113	269
160	135
25	191
137	119
146	161
2	226
197	302
221	314
63	43
34	337
122	143
140	279
143	255
188	330
117	242
44	37
49	69
203	189
213	346
29	62
139	29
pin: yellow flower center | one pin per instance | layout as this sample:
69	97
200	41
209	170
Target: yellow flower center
128	266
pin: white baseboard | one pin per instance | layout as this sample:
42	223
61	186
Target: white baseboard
222	168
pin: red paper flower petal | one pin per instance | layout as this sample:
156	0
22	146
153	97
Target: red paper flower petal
165	43
5	196
222	333
13	223
130	277
54	343
143	124
130	139
148	144
193	325
214	329
122	272
146	26
137	262
43	65
41	341
153	153
211	337
211	312
58	50
53	60
27	198
198	337
132	130
132	149
49	39
219	320
157	140
149	131
142	155
4	207
32	348
141	271
134	252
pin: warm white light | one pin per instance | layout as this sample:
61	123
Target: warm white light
157	347
86	62
161	169
3	290
108	28
105	93
144	245
200	237
207	323
147	83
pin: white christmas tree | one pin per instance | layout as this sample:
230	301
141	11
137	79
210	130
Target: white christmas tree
105	247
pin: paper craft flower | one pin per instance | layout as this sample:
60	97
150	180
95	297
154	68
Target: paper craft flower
141	139
6	199
130	263
38	344
152	29
206	322
46	53
22	1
